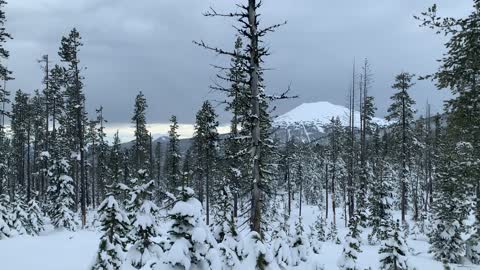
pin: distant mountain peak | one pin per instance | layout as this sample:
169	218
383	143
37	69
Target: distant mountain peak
319	114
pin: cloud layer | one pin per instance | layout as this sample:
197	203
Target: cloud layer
147	45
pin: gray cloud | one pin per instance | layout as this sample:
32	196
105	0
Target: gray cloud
146	45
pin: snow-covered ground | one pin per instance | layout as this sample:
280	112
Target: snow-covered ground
53	250
62	250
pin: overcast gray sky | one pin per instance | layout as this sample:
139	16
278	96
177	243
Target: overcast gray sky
147	45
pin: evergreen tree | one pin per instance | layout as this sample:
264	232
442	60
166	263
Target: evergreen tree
20	126
224	227
380	205
235	143
393	252
103	178
142	137
19	215
62	213
36	222
5	74
401	114
4	53
115	168
205	143
351	249
173	158
113	241
75	111
5	217
450	208
332	234
189	239
299	244
281	248
458	72
144	252
258	126
318	234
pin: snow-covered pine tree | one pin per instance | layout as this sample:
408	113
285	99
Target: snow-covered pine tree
332	234
19	127
225	223
36	218
62	213
337	167
75	116
351	248
145	251
281	248
299	244
380	204
258	126
142	137
140	189
459	72
4	94
225	226
115	168
4	168
235	143
104	180
189	240
173	174
5	217
393	252
317	232
473	246
113	242
205	144
367	113
254	253
451	205
401	114
19	215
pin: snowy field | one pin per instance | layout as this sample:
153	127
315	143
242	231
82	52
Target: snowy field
63	250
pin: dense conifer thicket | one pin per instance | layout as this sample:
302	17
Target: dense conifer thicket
229	200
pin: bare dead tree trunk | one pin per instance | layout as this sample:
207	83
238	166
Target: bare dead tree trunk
254	88
300	175
326	190
352	146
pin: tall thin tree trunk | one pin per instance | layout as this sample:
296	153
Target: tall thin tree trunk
29	171
326	190
255	95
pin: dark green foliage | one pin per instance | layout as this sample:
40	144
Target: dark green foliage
114	226
173	175
393	252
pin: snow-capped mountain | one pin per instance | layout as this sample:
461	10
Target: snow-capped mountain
320	113
308	120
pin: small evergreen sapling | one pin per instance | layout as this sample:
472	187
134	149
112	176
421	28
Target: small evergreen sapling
299	244
20	216
332	234
145	252
281	249
114	226
36	223
318	229
5	217
62	213
189	238
393	252
351	249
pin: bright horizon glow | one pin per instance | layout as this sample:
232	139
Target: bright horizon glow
126	130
